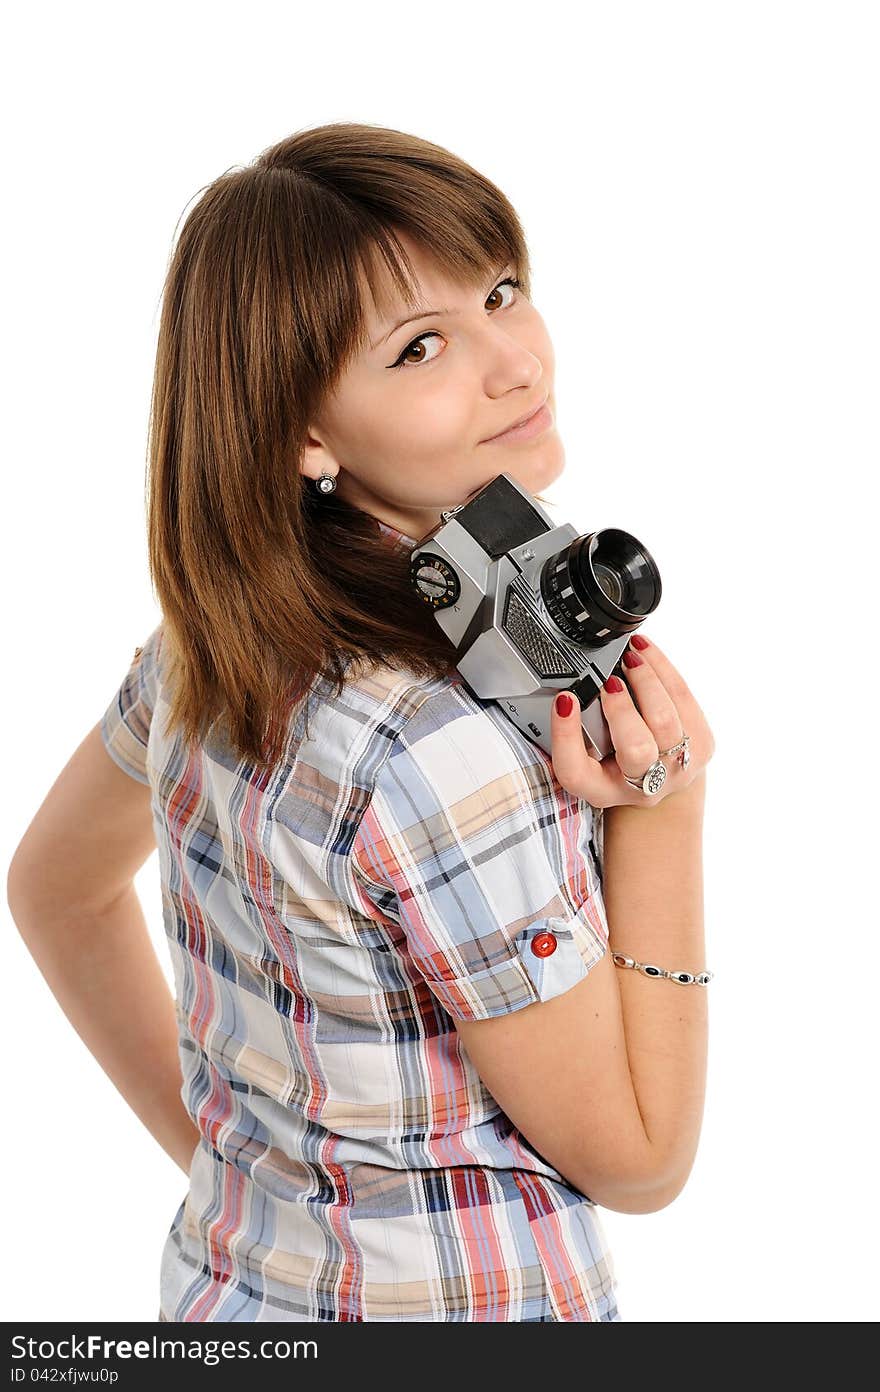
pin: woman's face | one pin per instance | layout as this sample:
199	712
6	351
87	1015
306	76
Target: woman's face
405	432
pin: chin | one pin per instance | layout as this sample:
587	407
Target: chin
533	474
537	474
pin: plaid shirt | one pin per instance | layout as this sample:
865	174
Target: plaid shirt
327	925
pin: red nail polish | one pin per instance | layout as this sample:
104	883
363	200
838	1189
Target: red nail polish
563	703
639	642
631	660
614	684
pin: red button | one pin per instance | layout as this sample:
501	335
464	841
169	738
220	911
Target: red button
543	944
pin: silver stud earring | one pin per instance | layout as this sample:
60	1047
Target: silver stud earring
326	483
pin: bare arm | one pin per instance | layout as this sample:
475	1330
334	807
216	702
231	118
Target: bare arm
102	970
70	889
654	901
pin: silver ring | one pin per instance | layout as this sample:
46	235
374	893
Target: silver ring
681	750
652	779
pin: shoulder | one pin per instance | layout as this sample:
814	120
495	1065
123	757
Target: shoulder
127	720
146	659
454	734
374	706
457	759
140	683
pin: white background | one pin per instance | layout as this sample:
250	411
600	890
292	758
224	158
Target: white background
698	186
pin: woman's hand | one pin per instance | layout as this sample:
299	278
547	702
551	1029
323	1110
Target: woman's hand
663	710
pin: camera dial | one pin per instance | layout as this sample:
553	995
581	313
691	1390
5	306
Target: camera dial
435	580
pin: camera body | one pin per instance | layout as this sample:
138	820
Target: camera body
533	608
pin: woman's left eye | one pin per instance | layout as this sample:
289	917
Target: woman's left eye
509	280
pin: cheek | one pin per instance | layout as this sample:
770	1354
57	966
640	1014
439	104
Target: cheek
424	419
548	359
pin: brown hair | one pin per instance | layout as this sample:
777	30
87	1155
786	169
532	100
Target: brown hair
264	584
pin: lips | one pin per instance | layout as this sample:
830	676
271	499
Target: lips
521	421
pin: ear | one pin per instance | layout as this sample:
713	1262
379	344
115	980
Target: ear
317	458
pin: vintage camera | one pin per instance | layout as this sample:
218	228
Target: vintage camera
534	608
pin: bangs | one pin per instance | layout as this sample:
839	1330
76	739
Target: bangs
381	274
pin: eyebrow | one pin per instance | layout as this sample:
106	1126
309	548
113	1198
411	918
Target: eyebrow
429	313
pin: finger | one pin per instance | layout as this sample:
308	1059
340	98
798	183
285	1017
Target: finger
635	747
691	716
680	693
656	706
576	771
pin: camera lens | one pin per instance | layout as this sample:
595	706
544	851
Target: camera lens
609	583
600	586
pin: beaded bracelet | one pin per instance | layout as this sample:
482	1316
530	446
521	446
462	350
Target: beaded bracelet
686	978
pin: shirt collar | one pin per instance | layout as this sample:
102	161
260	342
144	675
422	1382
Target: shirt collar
395	538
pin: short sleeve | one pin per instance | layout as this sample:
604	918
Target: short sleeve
125	724
487	863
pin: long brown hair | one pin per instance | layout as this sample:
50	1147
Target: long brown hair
263	583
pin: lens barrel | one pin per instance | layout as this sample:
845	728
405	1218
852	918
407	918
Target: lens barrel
600	586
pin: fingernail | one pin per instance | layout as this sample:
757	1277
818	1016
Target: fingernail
631	660
563	703
614	684
639	642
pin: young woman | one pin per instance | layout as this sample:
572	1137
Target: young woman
410	1071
